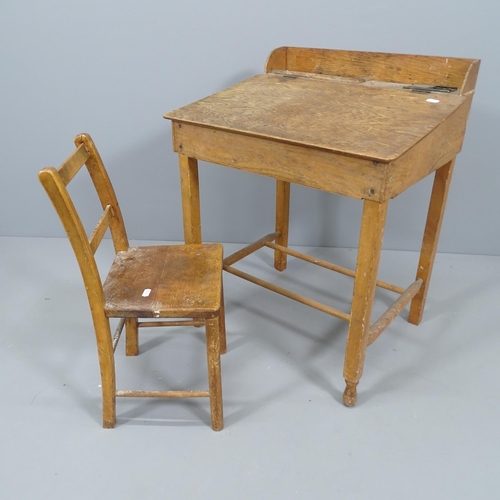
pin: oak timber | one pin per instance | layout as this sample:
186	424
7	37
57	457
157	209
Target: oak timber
387	67
180	281
375	123
344	122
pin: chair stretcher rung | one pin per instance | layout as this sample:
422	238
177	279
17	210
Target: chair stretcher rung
119	328
162	394
253	247
329	265
150	324
384	321
287	293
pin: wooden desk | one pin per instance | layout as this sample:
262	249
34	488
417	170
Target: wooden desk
364	125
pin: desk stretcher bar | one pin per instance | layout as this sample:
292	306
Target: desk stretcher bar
385	320
267	241
330	266
289	294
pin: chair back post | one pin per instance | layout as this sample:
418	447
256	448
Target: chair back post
60	198
105	191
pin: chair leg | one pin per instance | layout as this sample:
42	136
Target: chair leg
131	337
370	245
435	215
107	367
108	403
282	222
222	324
214	375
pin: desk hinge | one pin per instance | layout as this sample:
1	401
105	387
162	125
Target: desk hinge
427	89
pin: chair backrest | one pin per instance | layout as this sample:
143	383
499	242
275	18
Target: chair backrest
55	181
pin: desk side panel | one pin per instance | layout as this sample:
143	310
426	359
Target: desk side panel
356	178
432	152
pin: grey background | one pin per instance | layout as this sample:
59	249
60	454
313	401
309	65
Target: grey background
113	68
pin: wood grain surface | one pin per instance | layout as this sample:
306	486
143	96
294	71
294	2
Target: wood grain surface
370	122
346	122
180	281
387	67
185	281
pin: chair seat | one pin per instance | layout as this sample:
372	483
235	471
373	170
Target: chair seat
184	282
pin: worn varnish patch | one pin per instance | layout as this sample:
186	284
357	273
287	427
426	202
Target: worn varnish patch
184	281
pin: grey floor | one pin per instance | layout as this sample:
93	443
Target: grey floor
426	424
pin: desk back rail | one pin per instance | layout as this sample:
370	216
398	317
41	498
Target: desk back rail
397	68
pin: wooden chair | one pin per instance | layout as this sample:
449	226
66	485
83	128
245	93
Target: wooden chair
179	281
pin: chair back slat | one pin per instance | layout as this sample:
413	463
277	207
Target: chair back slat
100	229
73	164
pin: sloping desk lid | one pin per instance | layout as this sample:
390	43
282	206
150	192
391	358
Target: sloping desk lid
370	120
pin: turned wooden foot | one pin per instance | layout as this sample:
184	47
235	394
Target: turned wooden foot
350	394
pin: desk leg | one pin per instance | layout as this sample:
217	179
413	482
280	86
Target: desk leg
282	222
190	191
370	245
442	179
